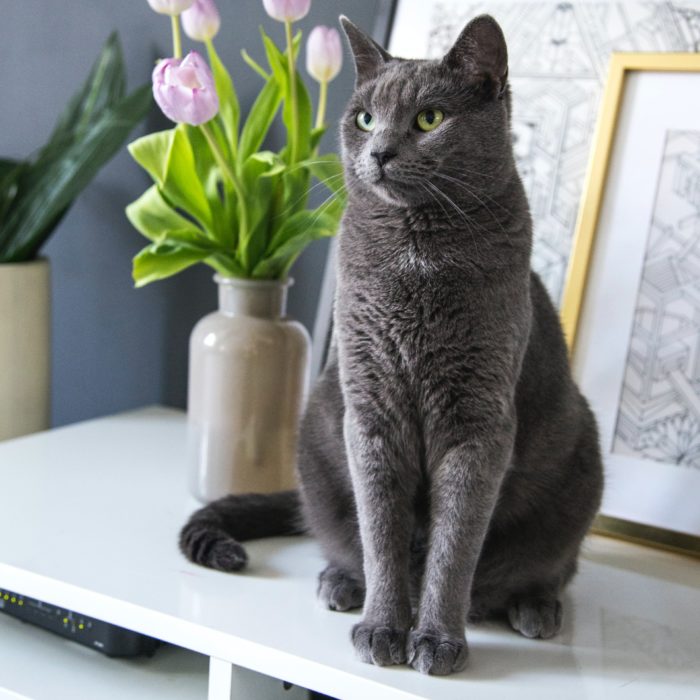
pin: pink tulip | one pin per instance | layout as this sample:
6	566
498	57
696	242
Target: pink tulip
324	53
170	7
184	89
287	10
201	22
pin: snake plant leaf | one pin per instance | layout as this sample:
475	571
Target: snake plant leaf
10	175
90	130
54	185
104	87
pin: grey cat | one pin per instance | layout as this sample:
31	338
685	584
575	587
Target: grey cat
448	465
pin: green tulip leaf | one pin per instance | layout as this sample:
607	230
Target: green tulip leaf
168	158
218	190
260	118
293	236
316	135
305	118
229	108
158	261
153	217
277	61
260	175
151	152
279	65
255	65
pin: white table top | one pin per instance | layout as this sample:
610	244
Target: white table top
89	517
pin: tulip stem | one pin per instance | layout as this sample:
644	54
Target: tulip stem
230	174
177	40
293	140
322	100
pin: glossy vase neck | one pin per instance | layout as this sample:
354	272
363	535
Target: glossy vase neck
259	298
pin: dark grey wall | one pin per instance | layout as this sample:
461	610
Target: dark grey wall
115	347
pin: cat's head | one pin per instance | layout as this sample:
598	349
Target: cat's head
414	126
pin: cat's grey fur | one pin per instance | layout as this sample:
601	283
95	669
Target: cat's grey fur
448	463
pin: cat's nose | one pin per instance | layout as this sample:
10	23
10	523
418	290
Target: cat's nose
382	157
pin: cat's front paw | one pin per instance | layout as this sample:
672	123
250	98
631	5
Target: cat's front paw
379	644
436	654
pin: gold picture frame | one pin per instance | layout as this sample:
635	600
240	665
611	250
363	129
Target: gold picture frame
621	65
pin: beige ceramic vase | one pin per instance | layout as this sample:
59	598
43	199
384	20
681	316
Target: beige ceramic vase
25	317
248	380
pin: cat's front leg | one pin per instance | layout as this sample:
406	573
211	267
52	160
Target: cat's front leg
465	479
384	468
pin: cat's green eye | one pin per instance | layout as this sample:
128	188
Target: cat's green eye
365	121
429	119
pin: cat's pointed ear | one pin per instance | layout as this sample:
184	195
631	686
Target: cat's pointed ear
369	56
481	51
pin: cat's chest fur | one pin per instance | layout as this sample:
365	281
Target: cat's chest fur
410	293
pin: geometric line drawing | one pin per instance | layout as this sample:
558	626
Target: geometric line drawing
659	411
558	59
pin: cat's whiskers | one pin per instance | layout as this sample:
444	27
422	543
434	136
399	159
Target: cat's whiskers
324	181
462	169
423	186
465	217
475	196
324	206
463	184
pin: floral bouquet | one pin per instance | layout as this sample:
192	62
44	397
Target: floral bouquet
217	197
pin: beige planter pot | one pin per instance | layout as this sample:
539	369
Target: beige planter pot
25	316
248	380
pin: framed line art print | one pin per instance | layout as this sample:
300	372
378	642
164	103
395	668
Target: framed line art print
631	306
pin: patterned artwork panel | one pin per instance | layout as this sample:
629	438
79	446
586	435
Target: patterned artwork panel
559	54
659	414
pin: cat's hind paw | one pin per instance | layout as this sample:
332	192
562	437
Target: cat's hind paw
340	590
379	645
436	654
535	617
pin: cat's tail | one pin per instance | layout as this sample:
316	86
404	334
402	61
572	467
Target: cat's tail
212	536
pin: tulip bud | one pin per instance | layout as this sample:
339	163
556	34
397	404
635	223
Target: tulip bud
201	22
324	53
287	10
170	7
184	89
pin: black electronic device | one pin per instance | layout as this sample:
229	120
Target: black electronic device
111	640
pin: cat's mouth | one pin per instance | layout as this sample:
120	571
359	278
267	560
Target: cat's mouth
391	189
384	185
